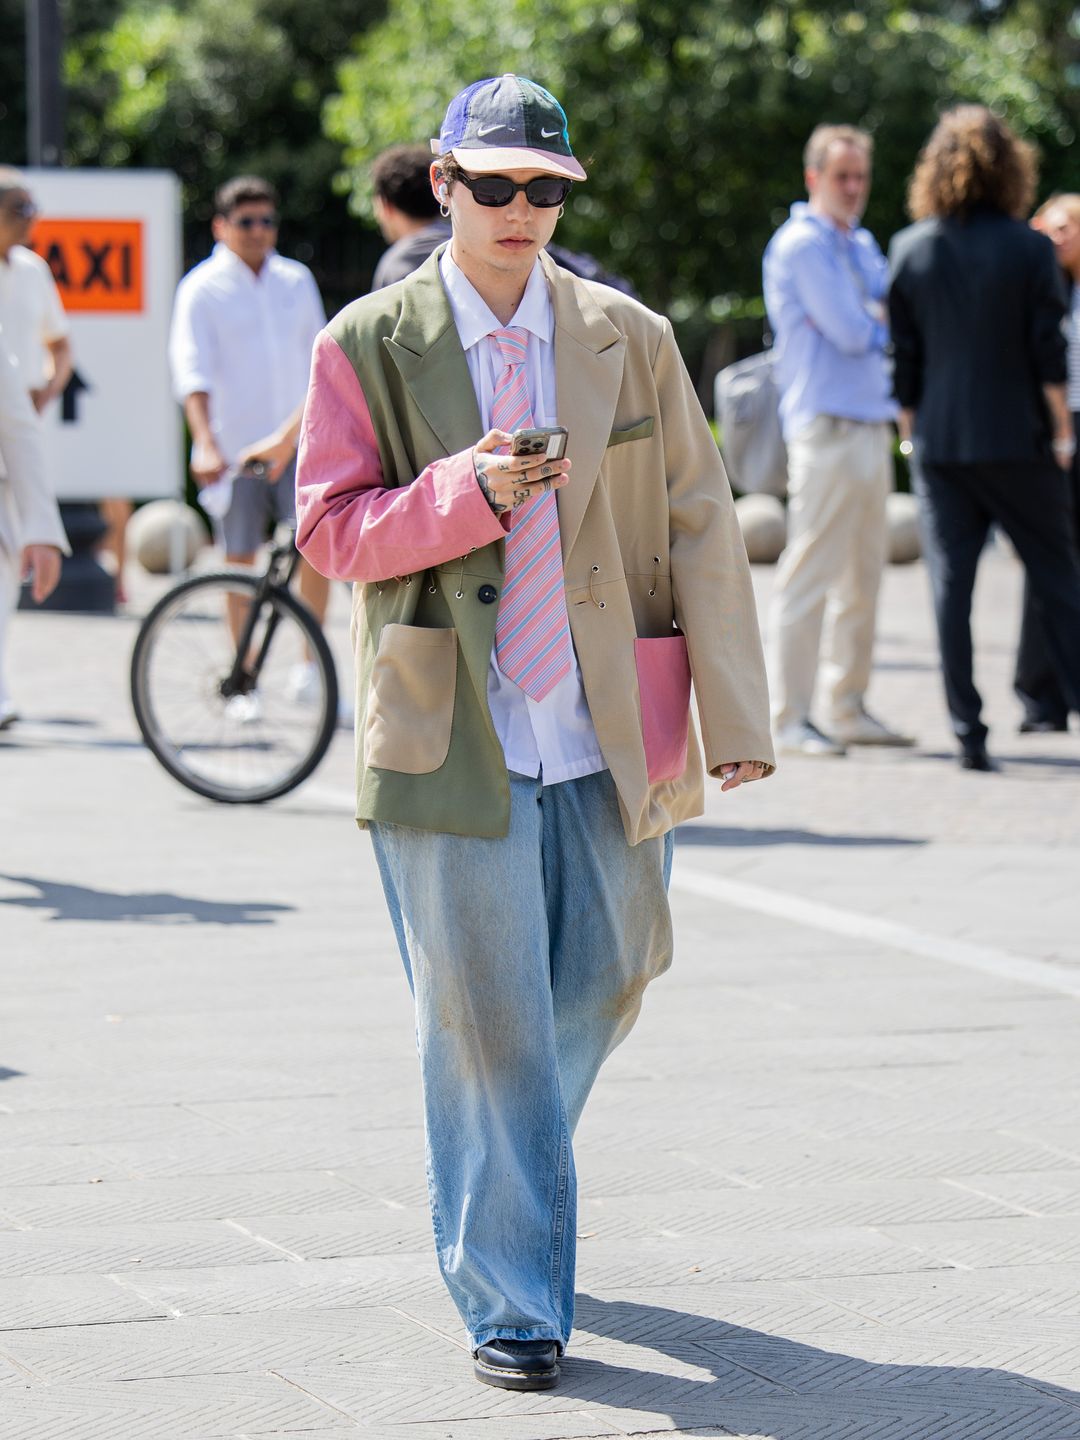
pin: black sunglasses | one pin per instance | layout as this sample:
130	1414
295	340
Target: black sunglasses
249	222
543	192
24	209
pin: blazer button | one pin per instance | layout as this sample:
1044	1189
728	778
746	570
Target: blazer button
487	594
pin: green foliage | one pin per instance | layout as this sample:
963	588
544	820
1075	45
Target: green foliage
691	116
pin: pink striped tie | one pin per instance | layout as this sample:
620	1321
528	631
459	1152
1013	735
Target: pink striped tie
532	633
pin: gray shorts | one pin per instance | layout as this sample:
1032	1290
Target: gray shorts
256	507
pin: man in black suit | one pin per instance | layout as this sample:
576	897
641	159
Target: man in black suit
976	306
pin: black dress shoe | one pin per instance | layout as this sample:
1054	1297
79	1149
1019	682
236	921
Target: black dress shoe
518	1364
1042	727
974	757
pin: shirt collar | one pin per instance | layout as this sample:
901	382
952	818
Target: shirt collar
802	211
224	256
473	316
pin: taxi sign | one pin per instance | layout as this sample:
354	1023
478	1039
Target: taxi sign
112	241
97	264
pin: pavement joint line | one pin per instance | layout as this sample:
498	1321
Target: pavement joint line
858	926
989	1195
123	1283
816	915
262	1240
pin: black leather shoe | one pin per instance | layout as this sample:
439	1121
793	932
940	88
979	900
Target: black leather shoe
974	757
1042	727
518	1364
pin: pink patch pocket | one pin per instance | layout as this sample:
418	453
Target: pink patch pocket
663	672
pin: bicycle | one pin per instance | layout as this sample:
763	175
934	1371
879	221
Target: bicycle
238	720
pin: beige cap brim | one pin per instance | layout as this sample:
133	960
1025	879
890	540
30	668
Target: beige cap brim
485	160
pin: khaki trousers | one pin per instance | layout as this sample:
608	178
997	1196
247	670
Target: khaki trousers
839	473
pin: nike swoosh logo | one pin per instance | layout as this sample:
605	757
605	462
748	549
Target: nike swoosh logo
483	130
547	134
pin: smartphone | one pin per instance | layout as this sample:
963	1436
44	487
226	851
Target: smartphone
548	441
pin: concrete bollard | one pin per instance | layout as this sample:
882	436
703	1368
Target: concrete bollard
902	521
764	527
164	532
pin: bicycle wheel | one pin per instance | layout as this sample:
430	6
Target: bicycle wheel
237	744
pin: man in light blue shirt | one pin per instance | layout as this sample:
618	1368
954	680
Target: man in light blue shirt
825	281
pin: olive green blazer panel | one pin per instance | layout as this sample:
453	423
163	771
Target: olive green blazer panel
652	552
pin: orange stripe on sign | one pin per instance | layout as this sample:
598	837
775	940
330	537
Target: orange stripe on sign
97	264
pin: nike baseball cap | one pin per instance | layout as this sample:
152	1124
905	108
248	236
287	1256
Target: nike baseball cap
508	123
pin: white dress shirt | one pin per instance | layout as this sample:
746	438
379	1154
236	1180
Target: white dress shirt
555	735
245	340
33	315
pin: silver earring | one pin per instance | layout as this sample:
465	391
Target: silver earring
444	211
562	211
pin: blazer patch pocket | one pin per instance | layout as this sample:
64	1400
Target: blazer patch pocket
410	708
663	673
641	431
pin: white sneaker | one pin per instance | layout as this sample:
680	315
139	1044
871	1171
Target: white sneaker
244	709
304	687
803	738
866	729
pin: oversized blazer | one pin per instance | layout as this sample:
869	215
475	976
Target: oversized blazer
658	587
28	509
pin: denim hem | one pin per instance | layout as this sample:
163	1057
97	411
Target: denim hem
504	1332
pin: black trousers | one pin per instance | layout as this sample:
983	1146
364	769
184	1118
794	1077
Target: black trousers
958	504
1035	680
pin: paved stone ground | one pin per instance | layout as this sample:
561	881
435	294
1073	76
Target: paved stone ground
830	1187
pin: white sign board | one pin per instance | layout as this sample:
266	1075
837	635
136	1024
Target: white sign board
112	240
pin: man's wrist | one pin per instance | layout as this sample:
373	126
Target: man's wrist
497	508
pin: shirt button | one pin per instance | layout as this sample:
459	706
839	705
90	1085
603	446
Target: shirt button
487	594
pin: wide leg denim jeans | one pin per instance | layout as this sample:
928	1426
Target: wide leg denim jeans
528	958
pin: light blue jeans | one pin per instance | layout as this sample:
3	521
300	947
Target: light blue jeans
528	958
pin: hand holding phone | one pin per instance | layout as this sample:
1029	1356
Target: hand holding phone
534	466
546	440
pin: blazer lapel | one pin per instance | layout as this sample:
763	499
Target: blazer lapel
589	355
428	354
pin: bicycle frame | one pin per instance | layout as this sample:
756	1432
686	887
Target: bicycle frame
243	678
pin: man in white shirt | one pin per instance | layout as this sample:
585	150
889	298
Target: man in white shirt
32	538
35	326
240	348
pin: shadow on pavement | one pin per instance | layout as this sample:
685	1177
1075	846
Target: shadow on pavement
692	834
774	1387
6	1073
76	902
1052	762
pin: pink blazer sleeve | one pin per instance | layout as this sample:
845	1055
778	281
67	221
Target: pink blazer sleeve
351	526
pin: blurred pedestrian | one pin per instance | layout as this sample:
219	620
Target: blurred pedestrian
406	210
35	325
243	326
824	282
32	539
1036	681
977	306
525	744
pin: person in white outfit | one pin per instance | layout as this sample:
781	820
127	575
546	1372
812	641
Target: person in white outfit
32	538
243	326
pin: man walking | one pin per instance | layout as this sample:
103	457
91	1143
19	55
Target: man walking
825	281
240	349
527	632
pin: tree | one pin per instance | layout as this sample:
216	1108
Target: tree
691	115
211	90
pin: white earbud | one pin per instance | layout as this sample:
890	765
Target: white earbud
443	193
